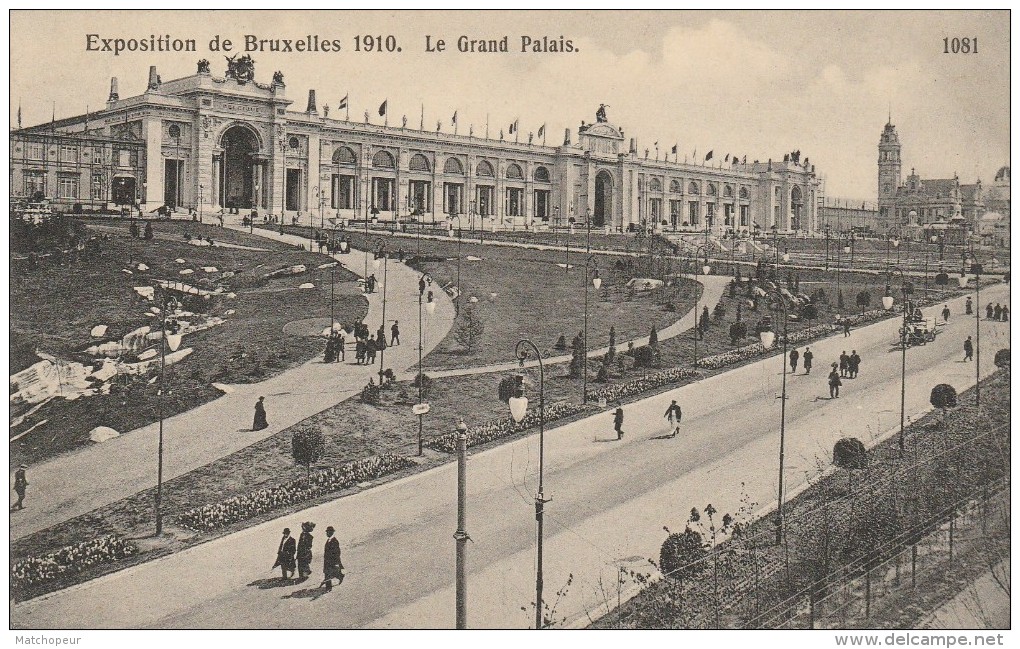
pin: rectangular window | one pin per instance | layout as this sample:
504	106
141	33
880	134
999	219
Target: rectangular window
34	150
728	214
421	196
484	198
542	204
710	214
453	198
675	212
35	183
98	192
68	153
124	158
97	155
744	210
343	192
67	187
383	193
693	213
514	201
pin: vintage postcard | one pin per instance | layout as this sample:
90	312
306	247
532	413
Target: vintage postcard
695	320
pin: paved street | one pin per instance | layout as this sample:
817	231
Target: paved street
609	502
65	486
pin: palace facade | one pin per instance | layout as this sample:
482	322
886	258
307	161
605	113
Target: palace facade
215	143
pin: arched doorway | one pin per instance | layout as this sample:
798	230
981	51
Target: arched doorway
124	190
239	148
603	199
796	208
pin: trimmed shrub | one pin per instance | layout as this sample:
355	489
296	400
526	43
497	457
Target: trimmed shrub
681	554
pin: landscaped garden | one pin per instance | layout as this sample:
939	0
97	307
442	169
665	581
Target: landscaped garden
232	313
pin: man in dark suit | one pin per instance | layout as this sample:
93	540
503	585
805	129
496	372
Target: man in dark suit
285	554
332	567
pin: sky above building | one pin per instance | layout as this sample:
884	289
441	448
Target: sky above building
758	84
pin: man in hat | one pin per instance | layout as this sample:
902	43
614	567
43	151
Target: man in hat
285	554
20	482
673	416
968	349
808	357
332	567
395	333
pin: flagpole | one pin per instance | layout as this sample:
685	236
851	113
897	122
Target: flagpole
421	126
486	127
348	108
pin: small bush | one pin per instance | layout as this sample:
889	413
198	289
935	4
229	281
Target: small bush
370	394
681	554
1002	359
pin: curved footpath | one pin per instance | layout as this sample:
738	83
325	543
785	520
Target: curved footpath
608	504
79	482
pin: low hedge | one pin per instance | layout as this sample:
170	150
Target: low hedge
504	426
637	386
255	503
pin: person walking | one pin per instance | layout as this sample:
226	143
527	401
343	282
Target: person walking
359	351
395	333
988	311
285	554
794	357
855	364
998	312
834	383
380	337
421	287
20	483
968	349
370	350
945	313
969	306
341	343
332	566
261	422
844	364
304	550
618	423
846	327
673	416
808	357
1005	313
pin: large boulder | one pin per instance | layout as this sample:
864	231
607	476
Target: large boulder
102	433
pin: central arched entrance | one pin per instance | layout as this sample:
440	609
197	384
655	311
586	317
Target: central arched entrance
603	199
239	148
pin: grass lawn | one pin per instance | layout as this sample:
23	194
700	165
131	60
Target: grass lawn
54	307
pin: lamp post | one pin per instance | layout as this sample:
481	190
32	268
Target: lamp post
887	303
201	188
768	339
461	535
706	268
460	240
593	265
518	408
173	342
381	251
975	267
827	232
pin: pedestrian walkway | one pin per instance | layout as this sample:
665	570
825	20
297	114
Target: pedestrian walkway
79	482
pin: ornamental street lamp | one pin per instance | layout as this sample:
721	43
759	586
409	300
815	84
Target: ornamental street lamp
381	251
173	341
461	535
591	265
697	325
201	188
518	408
887	303
975	267
767	340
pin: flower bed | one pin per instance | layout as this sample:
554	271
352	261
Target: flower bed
504	426
69	560
757	349
255	503
637	386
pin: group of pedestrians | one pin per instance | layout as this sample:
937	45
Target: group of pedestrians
673	415
293	554
848	366
336	347
999	312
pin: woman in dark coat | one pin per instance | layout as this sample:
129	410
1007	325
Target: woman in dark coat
304	550
260	416
332	567
285	554
618	423
834	384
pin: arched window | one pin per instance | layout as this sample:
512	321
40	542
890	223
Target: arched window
728	191
744	193
383	159
484	169
294	143
344	156
453	166
419	163
710	190
675	187
777	193
513	172
693	188
655	185
796	196
541	174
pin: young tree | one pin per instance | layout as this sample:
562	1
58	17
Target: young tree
133	229
839	300
561	343
653	336
612	344
943	397
307	446
577	360
148	230
470	329
739	306
681	554
863	300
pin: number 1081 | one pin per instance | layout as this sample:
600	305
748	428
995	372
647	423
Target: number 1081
960	45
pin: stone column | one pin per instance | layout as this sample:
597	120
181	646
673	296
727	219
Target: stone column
152	133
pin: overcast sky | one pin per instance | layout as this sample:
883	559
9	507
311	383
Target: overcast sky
754	83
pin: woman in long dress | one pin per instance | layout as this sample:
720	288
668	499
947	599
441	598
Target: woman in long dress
260	415
304	550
